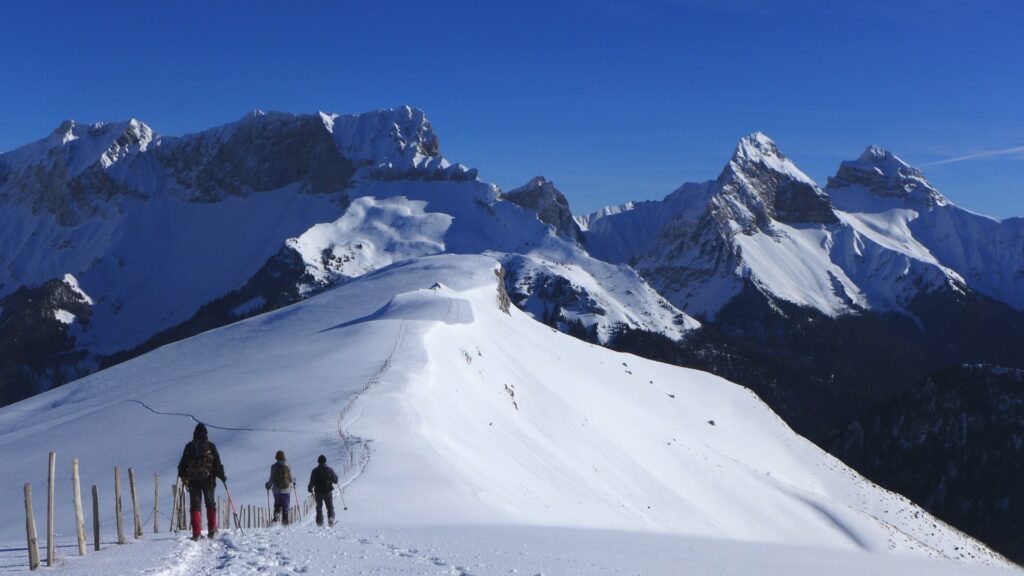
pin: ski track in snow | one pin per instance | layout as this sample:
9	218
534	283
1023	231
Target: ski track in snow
207	424
269	551
356	444
305	548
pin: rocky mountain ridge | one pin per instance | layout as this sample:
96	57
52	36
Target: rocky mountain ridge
175	235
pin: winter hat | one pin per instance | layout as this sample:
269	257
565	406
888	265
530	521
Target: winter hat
200	432
279	455
322	459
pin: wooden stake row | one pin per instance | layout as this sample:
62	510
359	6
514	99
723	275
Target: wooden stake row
250	516
30	522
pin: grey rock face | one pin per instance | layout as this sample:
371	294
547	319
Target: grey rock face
262	152
761	179
37	349
70	174
551	206
553	300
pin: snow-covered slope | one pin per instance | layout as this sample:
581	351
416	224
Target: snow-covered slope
891	205
446	406
392	220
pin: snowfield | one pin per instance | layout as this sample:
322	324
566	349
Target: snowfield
471	439
478	551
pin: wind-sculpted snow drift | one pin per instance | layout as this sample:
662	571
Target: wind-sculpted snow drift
443	408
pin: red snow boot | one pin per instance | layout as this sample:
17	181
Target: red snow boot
197	524
211	522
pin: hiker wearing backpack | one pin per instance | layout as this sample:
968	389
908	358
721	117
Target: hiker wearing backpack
199	469
281	481
321	484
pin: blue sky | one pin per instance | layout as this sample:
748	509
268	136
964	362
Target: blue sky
613	100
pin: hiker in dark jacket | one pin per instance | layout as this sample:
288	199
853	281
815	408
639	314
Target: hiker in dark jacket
321	484
199	469
281	481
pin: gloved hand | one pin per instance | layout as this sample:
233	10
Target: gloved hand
267	485
310	490
224	478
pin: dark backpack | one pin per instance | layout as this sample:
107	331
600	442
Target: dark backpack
281	476
200	465
323	479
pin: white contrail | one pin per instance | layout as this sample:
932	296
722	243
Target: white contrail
988	154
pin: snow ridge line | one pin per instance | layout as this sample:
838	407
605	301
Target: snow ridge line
351	442
197	421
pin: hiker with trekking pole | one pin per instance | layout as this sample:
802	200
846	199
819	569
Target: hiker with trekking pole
281	482
321	484
198	469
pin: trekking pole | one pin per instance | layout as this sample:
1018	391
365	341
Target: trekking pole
295	491
269	509
231	504
342	494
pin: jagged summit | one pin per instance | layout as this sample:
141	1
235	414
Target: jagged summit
397	135
885	161
759	185
540	195
756	151
885	175
754	146
261	151
74	146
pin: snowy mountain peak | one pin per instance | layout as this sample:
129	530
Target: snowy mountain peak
66	130
885	175
74	147
398	137
757	151
760	185
754	145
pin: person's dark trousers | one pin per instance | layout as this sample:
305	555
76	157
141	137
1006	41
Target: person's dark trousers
321	499
281	506
197	493
202	490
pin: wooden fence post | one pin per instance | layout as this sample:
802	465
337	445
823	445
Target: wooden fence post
117	505
182	515
51	548
174	508
135	505
95	518
79	515
156	502
30	530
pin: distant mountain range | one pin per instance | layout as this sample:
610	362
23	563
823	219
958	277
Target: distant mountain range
864	286
830	303
116	239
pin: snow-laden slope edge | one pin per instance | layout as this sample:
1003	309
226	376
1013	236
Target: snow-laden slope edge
465	413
